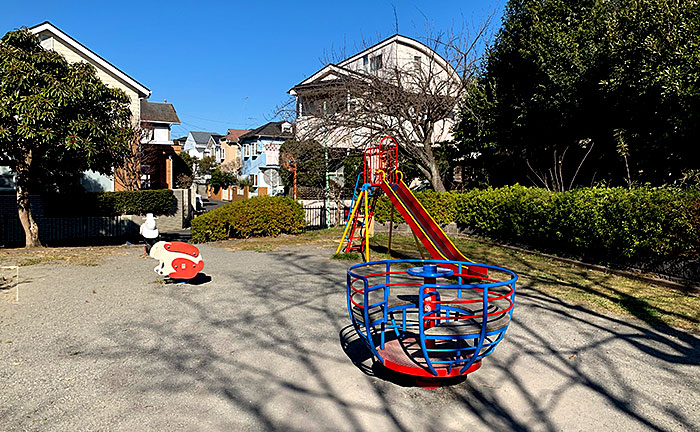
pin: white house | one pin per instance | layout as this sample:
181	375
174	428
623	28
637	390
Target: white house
214	147
197	142
156	116
382	59
156	120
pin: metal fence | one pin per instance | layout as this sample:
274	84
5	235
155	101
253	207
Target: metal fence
61	230
318	217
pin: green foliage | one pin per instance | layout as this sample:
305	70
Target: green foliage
56	119
622	74
183	181
352	166
604	223
255	217
310	161
188	162
158	202
222	179
206	165
347	256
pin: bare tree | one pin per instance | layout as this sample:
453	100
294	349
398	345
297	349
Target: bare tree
414	100
552	178
128	173
138	161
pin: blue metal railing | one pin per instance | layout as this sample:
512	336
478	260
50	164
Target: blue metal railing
460	319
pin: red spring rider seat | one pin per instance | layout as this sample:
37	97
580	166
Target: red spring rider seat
178	260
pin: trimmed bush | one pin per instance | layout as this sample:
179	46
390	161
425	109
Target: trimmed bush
255	217
158	202
610	223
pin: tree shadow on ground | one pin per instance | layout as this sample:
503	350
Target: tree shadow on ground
272	342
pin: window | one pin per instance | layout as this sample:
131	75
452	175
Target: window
375	63
365	61
416	62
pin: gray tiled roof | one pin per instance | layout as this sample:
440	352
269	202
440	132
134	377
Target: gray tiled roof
201	138
158	112
272	129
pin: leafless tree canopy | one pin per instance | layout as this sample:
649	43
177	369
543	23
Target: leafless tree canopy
415	102
138	160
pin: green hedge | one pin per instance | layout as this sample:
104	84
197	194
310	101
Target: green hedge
255	217
158	202
610	223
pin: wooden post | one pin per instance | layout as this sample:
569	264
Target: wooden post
418	245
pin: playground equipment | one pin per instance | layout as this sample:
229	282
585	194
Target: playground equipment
177	260
429	318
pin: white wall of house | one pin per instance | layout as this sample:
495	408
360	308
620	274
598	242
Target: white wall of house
161	135
191	148
72	56
397	52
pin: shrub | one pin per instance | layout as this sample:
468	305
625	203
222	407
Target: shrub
612	223
255	217
158	202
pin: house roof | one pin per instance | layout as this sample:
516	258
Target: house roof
201	138
325	76
47	27
340	69
158	112
233	134
271	129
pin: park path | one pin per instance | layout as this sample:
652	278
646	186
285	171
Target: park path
266	345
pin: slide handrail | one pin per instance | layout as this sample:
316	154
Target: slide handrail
461	256
388	190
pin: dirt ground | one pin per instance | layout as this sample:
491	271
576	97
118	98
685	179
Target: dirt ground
263	342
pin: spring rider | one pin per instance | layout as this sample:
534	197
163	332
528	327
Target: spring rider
177	260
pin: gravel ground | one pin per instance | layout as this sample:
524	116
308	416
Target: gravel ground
265	344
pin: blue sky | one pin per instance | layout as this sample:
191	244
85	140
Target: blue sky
228	64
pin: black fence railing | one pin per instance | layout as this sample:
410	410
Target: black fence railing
318	217
68	230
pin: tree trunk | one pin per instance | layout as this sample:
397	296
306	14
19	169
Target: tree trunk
31	229
435	178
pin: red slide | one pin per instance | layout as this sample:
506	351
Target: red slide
422	224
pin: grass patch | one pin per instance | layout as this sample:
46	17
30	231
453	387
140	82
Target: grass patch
86	256
319	238
347	256
598	291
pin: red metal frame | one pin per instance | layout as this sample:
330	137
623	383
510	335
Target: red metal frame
382	158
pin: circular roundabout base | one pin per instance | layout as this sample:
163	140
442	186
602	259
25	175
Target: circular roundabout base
406	357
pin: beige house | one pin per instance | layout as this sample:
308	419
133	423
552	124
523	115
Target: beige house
315	96
52	38
232	154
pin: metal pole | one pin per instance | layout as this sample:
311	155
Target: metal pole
366	227
391	229
327	191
